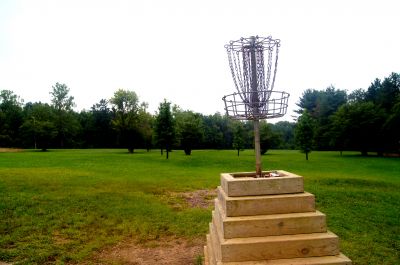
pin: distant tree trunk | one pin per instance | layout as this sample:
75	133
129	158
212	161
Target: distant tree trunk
364	153
130	150
238	151
161	151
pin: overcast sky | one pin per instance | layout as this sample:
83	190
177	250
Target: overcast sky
175	49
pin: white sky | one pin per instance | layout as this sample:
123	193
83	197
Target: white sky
175	49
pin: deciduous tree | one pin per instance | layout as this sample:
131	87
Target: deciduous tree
102	117
10	118
126	107
360	127
190	130
38	128
268	138
65	121
286	131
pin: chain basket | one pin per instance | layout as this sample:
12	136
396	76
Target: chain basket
273	104
253	62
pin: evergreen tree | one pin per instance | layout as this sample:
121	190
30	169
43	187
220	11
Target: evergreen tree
164	127
304	133
239	135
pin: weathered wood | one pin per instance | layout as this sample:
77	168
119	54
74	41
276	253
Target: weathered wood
215	243
209	253
266	204
242	184
206	257
269	225
268	229
279	247
327	260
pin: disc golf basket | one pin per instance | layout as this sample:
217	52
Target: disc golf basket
253	63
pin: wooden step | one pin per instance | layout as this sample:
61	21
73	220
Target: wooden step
266	204
209	256
241	184
268	225
206	257
215	243
327	260
338	259
273	247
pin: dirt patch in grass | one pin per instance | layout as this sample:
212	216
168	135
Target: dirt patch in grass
58	239
200	198
191	199
10	150
167	251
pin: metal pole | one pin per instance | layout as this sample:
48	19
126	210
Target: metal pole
257	147
255	105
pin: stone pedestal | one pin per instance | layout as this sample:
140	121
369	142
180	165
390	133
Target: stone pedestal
266	221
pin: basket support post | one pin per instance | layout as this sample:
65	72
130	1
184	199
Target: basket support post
257	147
255	102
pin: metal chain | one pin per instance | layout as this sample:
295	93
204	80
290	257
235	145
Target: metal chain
241	55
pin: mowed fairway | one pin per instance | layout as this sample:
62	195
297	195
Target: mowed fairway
63	206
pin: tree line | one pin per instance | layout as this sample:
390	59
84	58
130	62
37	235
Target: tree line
366	120
122	121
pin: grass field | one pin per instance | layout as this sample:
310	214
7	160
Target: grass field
63	206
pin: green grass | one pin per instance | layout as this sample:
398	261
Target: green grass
63	205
